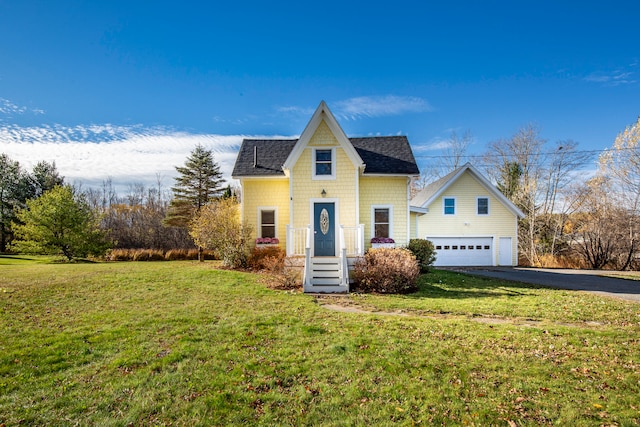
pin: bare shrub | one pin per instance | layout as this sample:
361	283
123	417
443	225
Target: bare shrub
156	255
571	261
118	255
270	258
175	254
289	278
140	255
387	270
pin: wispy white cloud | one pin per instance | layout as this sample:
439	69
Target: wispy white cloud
366	107
379	106
435	144
126	154
612	78
10	109
297	111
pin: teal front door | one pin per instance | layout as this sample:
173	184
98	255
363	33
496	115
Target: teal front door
324	234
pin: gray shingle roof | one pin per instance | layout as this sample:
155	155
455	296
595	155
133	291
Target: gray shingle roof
386	155
270	155
427	192
382	155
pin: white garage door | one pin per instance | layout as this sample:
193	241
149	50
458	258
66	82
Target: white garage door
463	251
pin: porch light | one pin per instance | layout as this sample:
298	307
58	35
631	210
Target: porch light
323	193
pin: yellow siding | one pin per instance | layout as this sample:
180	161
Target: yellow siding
323	136
413	227
342	188
384	191
263	193
500	222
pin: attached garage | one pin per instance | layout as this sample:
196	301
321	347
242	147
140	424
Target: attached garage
463	251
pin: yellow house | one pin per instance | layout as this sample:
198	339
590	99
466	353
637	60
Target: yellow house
469	221
326	197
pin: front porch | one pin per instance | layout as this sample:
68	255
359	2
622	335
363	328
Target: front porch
328	274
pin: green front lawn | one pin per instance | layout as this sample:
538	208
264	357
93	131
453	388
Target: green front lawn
182	343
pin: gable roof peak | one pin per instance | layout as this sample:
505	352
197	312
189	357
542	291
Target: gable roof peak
431	192
323	113
374	155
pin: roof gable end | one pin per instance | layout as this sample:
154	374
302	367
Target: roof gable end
322	113
431	192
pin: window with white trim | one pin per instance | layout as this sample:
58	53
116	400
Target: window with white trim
324	163
381	221
267	217
482	204
449	205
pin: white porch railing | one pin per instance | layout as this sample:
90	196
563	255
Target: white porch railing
354	240
306	279
344	264
297	240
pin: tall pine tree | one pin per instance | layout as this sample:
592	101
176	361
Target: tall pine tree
200	181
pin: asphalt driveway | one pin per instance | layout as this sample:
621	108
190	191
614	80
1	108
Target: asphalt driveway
579	280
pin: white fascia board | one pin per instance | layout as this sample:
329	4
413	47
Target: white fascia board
496	193
419	210
246	177
444	188
322	113
484	182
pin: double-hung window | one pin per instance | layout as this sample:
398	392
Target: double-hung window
382	225
267	222
449	204
482	205
324	163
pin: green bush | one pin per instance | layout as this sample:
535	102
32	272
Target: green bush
424	252
387	270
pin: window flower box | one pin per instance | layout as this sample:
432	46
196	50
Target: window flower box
382	242
267	241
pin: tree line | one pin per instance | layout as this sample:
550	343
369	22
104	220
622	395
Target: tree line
40	213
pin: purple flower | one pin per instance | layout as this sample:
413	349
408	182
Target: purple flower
382	240
267	241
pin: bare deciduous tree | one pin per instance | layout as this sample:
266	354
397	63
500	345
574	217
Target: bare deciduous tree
604	231
522	152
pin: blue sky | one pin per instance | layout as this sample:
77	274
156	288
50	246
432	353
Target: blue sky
125	89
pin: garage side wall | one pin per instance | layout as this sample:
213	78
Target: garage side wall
465	222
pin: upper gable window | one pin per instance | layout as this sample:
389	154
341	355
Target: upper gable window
324	163
449	204
482	205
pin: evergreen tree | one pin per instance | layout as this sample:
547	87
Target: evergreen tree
200	181
15	189
45	177
60	222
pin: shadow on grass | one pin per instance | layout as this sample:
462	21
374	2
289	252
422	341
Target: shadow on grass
45	259
453	285
16	257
